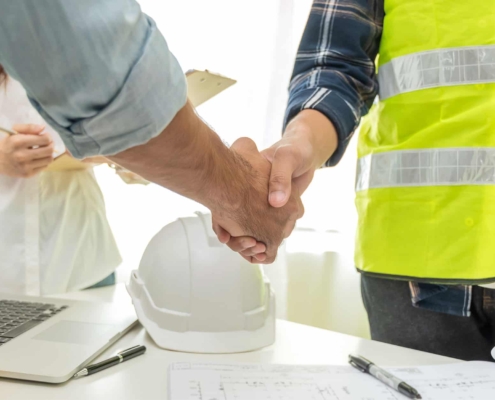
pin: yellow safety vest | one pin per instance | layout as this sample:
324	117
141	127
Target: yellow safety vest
426	169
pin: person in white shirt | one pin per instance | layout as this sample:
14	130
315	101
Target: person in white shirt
54	234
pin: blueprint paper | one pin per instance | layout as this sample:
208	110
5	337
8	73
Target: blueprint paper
197	381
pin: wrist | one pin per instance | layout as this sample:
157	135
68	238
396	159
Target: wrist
234	193
317	131
222	183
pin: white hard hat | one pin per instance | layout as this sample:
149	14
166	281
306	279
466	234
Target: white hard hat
192	293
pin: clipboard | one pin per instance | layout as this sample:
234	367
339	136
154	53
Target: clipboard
204	85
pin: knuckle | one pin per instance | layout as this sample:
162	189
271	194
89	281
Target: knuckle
16	141
233	246
44	140
278	178
246	243
288	230
24	128
19	157
286	152
283	150
301	211
246	253
239	247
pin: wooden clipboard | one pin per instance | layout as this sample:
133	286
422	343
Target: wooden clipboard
203	85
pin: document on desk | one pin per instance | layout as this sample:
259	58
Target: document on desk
196	381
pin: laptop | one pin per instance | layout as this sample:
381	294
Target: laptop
49	340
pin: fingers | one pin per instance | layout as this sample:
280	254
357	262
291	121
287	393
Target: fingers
248	247
258	259
240	244
40	152
26	157
30	141
284	163
222	235
29	169
258	248
28	129
40	163
257	252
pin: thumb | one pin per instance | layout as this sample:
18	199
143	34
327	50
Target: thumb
283	166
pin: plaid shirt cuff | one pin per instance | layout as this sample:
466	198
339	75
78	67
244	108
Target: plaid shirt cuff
334	107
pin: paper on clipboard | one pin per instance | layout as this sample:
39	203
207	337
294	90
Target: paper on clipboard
204	85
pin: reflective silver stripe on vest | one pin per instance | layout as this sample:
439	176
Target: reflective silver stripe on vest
429	167
444	67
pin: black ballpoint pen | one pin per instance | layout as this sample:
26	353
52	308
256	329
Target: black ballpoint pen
122	356
383	376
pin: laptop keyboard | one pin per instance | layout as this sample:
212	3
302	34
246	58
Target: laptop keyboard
17	317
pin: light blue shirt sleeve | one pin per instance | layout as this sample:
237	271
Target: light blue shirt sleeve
98	71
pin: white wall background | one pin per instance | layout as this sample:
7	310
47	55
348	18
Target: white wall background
255	43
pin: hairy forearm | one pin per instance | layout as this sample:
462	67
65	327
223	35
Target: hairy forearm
190	159
318	130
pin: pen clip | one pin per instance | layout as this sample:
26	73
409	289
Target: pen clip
357	366
126	350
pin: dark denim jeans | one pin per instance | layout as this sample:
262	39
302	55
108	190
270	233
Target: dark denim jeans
393	319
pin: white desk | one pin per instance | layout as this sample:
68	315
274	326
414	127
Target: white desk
145	377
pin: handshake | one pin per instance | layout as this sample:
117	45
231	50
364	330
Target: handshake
262	205
254	197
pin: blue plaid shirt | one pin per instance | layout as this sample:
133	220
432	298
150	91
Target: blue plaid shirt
335	74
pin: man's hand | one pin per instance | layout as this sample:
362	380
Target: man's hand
26	154
190	159
253	216
309	140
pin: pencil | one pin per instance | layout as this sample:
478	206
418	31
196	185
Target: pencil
7	131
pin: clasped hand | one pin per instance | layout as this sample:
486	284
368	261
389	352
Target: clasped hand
282	173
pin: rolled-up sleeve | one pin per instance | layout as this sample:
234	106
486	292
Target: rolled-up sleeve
99	72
